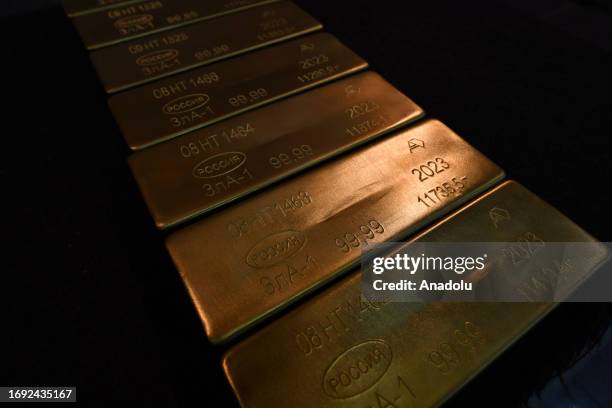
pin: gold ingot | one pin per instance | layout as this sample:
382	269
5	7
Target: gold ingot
173	106
252	259
109	26
338	349
202	170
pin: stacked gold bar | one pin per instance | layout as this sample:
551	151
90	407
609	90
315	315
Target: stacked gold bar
239	101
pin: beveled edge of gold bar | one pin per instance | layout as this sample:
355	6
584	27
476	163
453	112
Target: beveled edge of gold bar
173	26
95	9
547	307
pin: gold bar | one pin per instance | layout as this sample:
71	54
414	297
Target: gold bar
263	146
75	8
254	258
337	350
156	112
143	60
124	22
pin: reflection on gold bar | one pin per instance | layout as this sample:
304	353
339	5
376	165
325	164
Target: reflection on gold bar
121	23
75	8
199	171
254	258
336	350
167	108
143	60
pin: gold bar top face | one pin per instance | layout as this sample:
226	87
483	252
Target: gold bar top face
201	170
146	59
77	7
336	350
173	106
255	257
121	23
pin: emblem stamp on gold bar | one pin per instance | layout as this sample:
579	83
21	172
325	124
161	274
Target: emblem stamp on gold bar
167	108
194	173
138	19
146	59
338	347
254	258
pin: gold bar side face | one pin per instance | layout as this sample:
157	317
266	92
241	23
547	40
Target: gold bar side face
338	350
173	106
254	258
138	19
75	8
136	62
202	170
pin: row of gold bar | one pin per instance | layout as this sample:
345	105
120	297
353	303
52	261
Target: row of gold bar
199	79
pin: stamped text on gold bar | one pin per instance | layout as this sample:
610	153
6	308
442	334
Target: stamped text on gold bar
167	108
74	8
121	23
147	59
255	257
199	171
338	350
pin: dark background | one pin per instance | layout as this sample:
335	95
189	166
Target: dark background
91	296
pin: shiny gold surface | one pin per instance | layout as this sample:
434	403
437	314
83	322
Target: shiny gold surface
199	171
117	24
253	258
173	106
77	7
146	59
337	351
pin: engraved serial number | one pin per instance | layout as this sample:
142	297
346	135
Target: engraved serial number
182	86
430	169
327	328
214	141
443	191
132	10
301	200
366	232
267	216
296	155
152	45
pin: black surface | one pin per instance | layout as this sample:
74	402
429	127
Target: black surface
92	298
